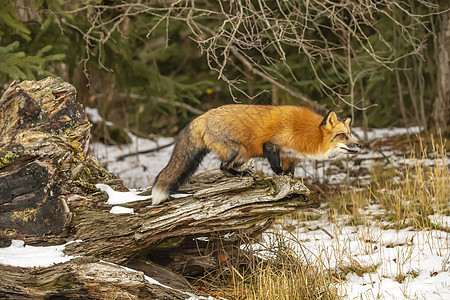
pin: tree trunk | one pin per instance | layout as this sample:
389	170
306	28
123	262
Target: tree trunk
441	107
43	134
48	196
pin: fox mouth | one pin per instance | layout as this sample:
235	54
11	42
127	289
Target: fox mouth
350	150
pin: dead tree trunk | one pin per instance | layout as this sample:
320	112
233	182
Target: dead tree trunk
441	105
48	195
43	133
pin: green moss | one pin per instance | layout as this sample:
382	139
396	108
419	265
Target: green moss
7	158
91	174
61	281
10	232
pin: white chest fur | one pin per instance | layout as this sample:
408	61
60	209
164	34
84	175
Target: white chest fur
333	153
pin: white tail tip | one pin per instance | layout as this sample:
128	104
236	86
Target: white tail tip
159	196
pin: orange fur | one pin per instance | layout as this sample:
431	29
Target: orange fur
237	133
289	127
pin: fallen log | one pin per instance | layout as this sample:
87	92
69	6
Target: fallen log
49	196
84	278
223	206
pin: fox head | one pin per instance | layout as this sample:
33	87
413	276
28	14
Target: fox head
337	140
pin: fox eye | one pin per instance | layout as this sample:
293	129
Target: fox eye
343	135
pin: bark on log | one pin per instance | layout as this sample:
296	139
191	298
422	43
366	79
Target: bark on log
48	196
43	132
81	278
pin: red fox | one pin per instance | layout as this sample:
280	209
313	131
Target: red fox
238	132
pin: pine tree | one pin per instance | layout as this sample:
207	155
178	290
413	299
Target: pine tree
15	61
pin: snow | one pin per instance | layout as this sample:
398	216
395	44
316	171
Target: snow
121	210
440	220
25	256
179	195
115	197
422	258
382	133
93	114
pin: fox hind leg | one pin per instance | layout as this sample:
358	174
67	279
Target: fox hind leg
231	155
232	163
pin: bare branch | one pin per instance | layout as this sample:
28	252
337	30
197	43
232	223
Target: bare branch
258	33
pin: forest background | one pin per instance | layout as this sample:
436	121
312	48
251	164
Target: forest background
151	66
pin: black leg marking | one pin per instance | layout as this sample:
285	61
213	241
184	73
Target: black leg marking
228	166
237	164
272	153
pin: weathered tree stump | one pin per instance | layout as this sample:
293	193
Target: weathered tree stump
43	132
48	195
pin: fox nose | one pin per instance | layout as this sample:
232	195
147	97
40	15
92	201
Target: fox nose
356	147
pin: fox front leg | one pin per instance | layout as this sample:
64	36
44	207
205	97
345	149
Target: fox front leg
272	152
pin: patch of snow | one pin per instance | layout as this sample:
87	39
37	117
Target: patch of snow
202	238
93	114
411	264
440	220
20	255
115	197
121	210
179	195
381	133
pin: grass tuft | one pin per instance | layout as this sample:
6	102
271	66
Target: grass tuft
423	191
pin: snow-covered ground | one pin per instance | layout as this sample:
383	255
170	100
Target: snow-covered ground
25	256
409	264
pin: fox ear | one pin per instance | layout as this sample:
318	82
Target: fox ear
330	120
347	121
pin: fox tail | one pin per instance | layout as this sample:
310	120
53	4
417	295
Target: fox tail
185	159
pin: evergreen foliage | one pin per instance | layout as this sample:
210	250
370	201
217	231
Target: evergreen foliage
15	61
15	64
